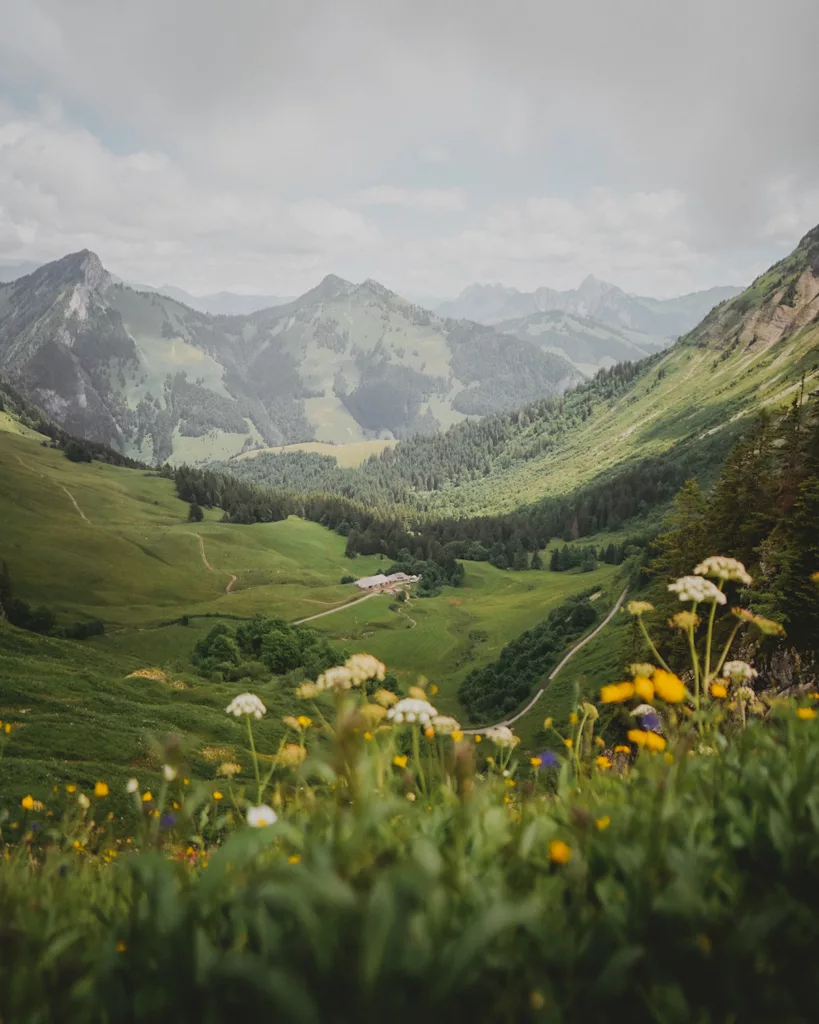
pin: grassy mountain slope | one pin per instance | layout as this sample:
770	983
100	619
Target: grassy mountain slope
158	380
751	352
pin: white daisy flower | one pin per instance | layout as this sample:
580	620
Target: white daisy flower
695	588
246	704
258	817
411	710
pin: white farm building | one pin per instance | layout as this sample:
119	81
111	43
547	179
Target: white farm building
374	582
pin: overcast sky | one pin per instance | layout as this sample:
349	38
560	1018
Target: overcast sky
257	145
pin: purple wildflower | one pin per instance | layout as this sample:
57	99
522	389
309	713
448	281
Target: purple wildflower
549	759
167	820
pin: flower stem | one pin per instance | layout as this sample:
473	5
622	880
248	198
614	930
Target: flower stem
708	640
416	753
255	762
650	643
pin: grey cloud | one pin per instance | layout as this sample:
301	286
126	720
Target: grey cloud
289	127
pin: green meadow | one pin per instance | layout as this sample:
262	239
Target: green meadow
92	540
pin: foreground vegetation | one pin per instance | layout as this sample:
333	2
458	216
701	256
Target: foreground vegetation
657	863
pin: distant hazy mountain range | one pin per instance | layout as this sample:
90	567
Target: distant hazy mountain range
219	304
494	303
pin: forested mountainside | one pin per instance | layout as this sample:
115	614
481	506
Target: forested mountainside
687	403
145	374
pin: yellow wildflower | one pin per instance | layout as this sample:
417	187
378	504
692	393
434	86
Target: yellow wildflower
429	732
71	788
147	797
644	687
718	690
559	852
668	686
616	693
547	723
602	762
621	748
603	823
510	783
433	690
368	736
805	713
569	742
668	757
217	795
457	735
101	789
294	858
292	754
573	718
684	620
599	741
650	740
121	946
27	803
535	762
400	760
478	738
304	721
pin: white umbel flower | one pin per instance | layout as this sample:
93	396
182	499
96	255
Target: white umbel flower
258	817
502	736
411	710
169	772
246	704
695	588
745	693
723	568
132	786
363	667
738	671
337	678
445	725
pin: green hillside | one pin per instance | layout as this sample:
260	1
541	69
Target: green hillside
94	541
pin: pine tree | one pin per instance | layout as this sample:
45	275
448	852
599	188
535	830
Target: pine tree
684	541
537	561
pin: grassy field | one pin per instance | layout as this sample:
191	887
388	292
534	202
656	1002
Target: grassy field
126	554
445	637
346	455
79	715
